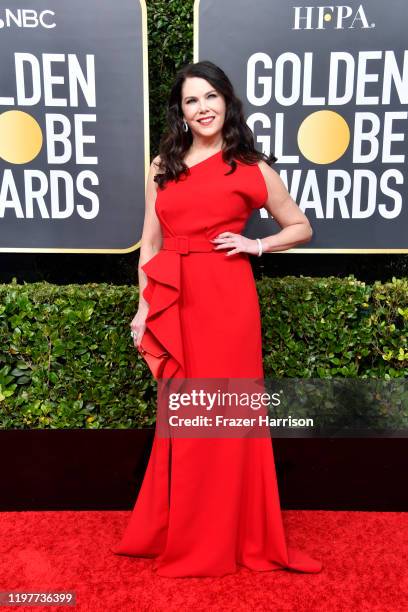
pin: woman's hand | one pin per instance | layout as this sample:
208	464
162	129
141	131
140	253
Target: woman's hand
237	242
138	325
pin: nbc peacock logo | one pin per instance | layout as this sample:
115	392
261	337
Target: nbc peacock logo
26	18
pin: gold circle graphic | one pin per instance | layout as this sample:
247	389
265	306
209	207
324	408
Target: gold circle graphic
327	17
323	137
20	137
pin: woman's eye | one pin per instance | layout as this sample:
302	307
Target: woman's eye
213	95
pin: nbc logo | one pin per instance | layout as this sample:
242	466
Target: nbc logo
26	18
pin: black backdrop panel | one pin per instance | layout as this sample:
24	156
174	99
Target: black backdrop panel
73	138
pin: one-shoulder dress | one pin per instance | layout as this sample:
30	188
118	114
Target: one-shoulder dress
208	505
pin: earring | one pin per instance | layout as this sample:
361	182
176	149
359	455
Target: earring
185	125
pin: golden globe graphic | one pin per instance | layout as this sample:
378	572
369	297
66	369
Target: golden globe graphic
20	137
73	134
323	137
325	88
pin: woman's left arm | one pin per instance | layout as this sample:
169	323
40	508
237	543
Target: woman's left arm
296	228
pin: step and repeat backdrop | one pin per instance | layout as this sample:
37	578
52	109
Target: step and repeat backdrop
73	125
326	89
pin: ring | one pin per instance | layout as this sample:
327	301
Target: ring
133	334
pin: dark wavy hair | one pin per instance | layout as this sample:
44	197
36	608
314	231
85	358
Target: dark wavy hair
175	142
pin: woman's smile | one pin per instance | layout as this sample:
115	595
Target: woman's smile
206	120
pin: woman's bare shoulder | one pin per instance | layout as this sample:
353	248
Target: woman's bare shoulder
266	169
156	161
154	168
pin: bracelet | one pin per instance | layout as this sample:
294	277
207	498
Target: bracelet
260	247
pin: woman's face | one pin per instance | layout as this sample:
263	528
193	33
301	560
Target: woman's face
203	107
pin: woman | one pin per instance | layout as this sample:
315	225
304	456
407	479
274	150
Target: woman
209	505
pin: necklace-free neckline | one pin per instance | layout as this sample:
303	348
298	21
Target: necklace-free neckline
204	160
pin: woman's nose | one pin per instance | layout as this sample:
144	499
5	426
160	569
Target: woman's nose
203	105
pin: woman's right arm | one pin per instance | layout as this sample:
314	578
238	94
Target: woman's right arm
150	244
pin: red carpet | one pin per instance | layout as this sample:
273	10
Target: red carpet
365	557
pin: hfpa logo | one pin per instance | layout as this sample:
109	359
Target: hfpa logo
335	17
27	18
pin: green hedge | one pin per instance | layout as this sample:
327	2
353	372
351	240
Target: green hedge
170	46
67	359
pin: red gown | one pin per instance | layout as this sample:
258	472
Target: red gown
208	505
